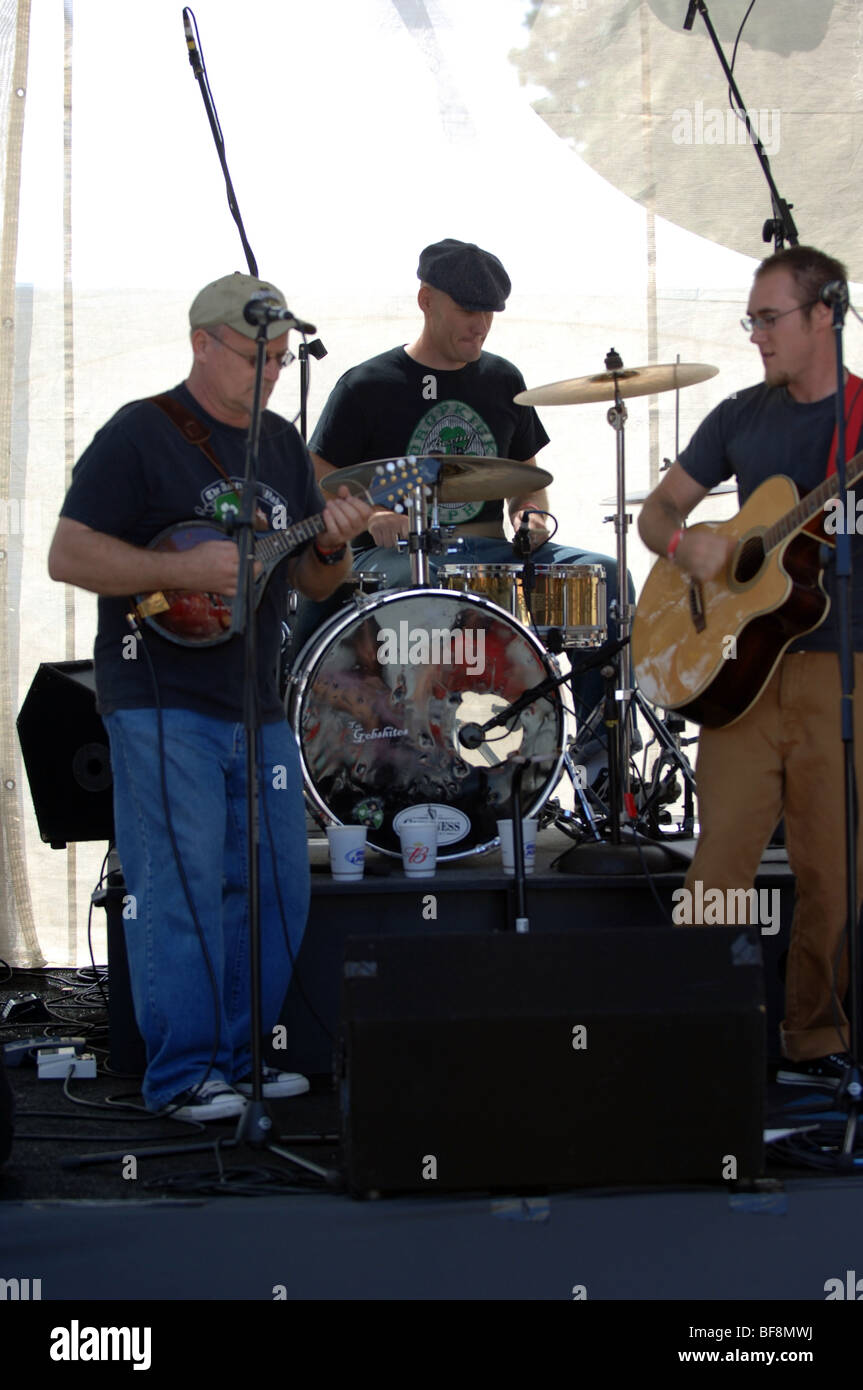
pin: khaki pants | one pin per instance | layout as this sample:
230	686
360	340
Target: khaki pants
786	756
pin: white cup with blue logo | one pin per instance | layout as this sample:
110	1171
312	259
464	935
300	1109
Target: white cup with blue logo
507	851
347	851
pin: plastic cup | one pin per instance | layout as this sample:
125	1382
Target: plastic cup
504	830
347	851
419	850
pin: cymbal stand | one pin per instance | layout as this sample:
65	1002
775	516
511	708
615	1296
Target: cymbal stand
418	535
424	539
617	416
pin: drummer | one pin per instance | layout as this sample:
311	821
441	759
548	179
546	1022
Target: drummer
444	394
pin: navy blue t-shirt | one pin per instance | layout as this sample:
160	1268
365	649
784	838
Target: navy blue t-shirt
138	477
762	431
392	406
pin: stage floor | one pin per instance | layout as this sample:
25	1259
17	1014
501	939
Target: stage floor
227	1222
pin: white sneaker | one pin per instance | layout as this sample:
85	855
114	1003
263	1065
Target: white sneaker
215	1100
276	1085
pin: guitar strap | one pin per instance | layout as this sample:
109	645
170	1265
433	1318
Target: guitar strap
853	422
191	428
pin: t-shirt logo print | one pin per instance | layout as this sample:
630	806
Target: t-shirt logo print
451	427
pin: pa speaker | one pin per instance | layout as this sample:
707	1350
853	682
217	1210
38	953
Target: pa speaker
66	754
516	1062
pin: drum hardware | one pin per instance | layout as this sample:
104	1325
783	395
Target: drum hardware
664	787
581	793
615	384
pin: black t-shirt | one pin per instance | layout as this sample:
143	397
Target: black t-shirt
140	476
762	431
392	406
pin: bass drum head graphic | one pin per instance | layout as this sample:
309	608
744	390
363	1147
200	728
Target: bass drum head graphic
378	698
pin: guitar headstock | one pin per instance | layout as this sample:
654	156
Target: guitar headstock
393	480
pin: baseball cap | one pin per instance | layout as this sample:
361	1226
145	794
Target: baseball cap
474	278
223	301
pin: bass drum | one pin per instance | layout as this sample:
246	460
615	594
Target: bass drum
377	699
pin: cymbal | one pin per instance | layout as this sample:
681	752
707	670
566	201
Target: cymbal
632	381
463	478
643	495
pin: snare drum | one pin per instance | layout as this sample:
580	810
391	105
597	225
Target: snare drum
377	700
570	598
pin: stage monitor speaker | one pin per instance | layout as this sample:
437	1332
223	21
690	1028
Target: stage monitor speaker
66	754
517	1062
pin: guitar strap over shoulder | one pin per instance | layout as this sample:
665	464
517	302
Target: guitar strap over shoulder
853	422
191	428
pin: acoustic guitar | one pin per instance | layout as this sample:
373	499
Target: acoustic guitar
707	650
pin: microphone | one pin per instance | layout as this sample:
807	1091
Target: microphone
263	308
471	735
194	52
835	292
690	14
521	539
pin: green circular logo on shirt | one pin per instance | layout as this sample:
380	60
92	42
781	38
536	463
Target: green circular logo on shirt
451	427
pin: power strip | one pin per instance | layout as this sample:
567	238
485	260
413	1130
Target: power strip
54	1063
25	1049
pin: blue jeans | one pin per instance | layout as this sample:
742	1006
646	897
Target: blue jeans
191	980
588	688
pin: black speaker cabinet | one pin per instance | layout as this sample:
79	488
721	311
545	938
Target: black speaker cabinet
65	750
516	1062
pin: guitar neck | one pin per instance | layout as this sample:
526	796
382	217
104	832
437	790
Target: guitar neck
277	545
809	506
391	483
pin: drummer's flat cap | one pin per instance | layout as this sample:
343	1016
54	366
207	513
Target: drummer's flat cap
474	278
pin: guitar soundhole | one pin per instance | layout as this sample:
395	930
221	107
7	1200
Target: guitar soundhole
749	560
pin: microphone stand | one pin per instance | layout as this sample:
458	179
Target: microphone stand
472	735
781	225
521	923
317	350
196	58
255	1123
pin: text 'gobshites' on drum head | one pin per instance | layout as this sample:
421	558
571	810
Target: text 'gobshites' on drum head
377	702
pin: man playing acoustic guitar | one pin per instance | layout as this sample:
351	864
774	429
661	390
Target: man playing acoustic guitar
783	755
174	713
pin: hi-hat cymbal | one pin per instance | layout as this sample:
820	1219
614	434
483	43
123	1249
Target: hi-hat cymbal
631	381
463	477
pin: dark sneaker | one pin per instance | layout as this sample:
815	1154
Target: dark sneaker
277	1084
826	1072
215	1100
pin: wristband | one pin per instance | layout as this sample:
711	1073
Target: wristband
674	543
329	557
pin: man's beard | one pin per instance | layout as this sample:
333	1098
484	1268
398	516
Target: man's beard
776	377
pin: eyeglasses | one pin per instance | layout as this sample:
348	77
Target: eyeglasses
283	360
761	322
